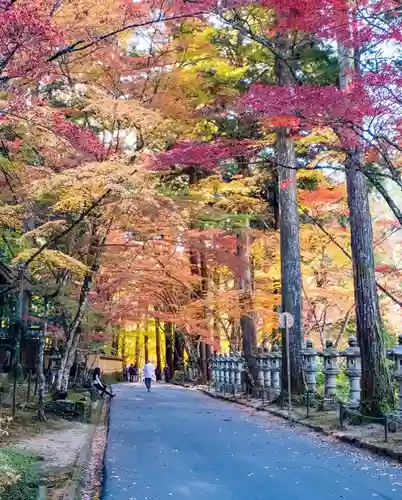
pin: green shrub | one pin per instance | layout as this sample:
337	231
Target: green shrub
18	475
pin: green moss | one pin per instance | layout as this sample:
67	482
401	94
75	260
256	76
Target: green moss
18	475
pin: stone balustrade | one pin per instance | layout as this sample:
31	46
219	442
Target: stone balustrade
227	369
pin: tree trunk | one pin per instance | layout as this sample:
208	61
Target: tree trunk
70	361
245	284
40	361
72	331
158	344
137	352
376	394
178	355
376	385
289	231
203	359
169	346
205	348
146	350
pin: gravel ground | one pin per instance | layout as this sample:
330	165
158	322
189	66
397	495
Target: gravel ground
58	448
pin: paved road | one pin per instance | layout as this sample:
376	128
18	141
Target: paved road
179	444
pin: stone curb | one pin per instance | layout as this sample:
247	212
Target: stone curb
359	443
85	455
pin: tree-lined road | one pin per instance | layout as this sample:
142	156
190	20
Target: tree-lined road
179	444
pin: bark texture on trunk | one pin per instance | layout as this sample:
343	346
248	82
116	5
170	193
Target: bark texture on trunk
137	352
146	350
158	344
245	284
376	395
205	346
72	332
289	230
169	346
376	384
70	358
178	355
40	361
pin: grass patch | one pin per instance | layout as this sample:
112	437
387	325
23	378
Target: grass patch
18	475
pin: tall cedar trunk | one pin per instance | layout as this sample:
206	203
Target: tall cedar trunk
199	346
216	332
289	231
205	345
195	267
169	346
376	394
376	385
158	344
40	362
146	350
178	355
137	352
247	319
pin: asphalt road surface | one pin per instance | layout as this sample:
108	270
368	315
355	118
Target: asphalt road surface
174	443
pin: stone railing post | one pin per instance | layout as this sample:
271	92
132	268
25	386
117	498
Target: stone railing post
239	364
275	358
267	370
353	370
221	373
396	355
211	363
259	366
310	365
331	369
232	370
226	370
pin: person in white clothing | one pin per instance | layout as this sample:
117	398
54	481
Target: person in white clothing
148	372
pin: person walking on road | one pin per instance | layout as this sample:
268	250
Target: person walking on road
166	373
125	373
148	374
158	373
131	372
98	384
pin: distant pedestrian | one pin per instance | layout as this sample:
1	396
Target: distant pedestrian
166	373
125	373
135	373
97	383
131	372
148	372
158	373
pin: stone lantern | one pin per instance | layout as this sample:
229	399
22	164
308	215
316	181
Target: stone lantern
396	355
353	370
239	366
331	369
275	358
259	366
54	365
266	369
310	365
